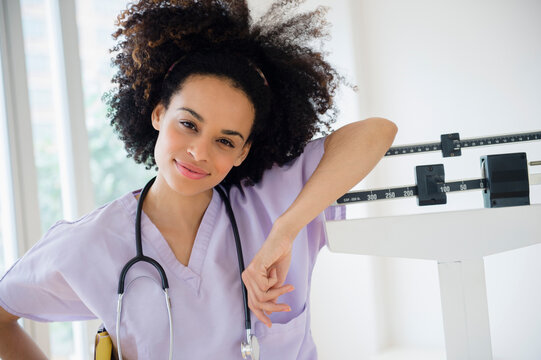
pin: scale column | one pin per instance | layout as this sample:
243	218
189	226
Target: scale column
465	310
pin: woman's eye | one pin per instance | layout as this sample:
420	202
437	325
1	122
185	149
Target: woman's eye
188	124
226	142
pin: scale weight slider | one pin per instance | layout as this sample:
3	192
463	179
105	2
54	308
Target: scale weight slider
450	145
429	180
506	180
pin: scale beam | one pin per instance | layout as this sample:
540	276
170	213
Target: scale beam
506	183
451	145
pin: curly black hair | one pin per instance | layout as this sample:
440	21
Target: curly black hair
161	43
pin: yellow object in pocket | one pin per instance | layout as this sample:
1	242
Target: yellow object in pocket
103	346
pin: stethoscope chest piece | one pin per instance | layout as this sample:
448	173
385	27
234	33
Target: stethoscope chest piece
250	349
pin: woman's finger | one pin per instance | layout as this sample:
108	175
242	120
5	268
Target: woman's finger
275	293
260	308
256	278
262	317
270	307
270	295
272	278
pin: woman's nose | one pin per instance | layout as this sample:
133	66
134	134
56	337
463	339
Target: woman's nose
198	149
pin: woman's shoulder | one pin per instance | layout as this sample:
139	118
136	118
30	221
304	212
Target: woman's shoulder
293	174
108	218
313	151
279	185
77	244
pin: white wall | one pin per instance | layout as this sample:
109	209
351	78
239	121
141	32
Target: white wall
433	67
471	67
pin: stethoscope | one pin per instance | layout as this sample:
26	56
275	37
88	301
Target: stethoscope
250	346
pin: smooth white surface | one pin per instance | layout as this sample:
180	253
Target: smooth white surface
443	236
465	310
406	353
535	179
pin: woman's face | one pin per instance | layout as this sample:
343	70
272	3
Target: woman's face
202	134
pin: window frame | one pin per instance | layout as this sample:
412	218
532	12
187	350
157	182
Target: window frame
23	207
74	158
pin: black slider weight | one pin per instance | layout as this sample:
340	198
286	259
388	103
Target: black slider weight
429	179
507	180
450	145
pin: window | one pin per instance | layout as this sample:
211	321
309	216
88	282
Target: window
112	174
37	45
7	242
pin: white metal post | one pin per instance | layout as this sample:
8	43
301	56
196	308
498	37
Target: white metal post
465	310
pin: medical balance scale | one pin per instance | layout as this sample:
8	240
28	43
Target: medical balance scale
505	185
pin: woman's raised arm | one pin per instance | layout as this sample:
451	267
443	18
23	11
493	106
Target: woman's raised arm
351	152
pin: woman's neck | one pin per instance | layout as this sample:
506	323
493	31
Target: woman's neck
172	212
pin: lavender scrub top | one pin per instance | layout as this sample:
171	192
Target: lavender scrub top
72	274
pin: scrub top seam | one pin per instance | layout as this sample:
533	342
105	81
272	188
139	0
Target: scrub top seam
151	235
203	237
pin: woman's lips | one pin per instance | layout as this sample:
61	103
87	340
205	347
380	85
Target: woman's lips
190	171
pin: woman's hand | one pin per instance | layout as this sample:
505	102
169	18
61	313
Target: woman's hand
266	274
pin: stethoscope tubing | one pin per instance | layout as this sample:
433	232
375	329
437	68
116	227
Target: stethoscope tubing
139	246
240	258
164	283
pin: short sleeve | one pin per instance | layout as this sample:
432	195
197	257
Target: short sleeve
302	168
35	286
281	185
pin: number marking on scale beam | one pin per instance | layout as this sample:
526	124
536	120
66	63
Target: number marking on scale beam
409	191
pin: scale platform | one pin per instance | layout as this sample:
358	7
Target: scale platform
457	240
460	259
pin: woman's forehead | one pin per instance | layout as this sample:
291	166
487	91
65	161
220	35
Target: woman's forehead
214	98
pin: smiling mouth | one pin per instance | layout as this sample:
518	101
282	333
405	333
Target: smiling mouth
189	172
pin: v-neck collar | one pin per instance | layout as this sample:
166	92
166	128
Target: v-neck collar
150	235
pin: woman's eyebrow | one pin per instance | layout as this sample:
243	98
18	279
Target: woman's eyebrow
232	132
200	118
193	113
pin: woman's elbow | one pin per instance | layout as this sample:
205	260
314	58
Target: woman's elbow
385	130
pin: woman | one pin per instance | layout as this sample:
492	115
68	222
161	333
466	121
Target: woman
208	98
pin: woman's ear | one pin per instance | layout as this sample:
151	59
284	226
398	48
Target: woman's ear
243	154
157	116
